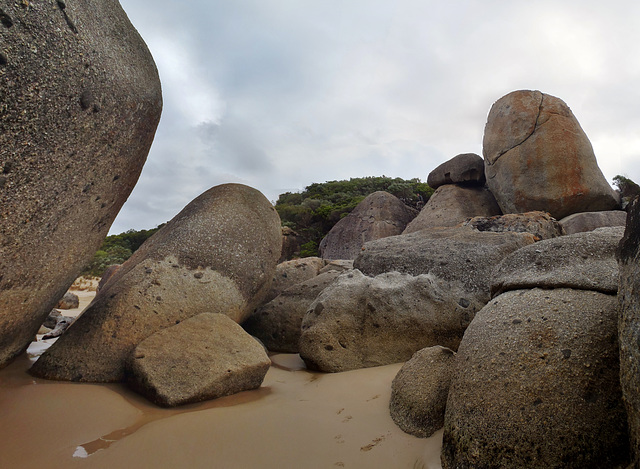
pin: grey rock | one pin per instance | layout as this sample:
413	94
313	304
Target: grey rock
584	261
451	204
61	326
217	255
461	256
537	157
539	224
69	301
204	357
379	215
537	385
629	324
467	168
339	265
420	389
359	321
81	100
589	221
278	323
291	272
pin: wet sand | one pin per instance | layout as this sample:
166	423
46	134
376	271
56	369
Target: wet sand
297	419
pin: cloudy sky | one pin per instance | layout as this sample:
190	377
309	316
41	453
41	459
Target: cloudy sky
278	94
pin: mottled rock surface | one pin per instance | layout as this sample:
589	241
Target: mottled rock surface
204	357
452	204
217	255
379	215
420	389
537	157
584	261
629	324
80	101
537	385
289	273
68	301
539	224
359	321
589	221
278	323
467	168
461	256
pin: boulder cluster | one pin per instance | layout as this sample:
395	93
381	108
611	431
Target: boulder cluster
512	296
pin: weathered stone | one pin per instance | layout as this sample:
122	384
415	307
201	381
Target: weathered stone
537	385
218	255
291	272
420	389
467	168
204	357
629	324
461	256
379	215
69	301
291	244
451	204
589	221
338	264
80	101
278	323
539	224
537	157
106	275
359	322
61	326
584	261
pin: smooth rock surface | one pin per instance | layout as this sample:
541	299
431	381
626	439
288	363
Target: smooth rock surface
80	101
537	157
204	357
278	323
379	215
359	321
589	221
629	324
467	168
537	385
461	256
217	255
539	224
452	204
420	389
584	261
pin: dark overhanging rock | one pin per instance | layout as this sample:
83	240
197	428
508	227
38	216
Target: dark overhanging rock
80	102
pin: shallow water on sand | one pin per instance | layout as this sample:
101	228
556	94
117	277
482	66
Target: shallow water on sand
296	419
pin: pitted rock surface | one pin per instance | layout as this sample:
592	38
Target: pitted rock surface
80	100
218	255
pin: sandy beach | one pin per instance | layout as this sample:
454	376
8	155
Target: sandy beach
297	419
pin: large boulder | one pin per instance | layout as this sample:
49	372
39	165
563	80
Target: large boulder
537	157
68	301
539	224
218	255
291	244
452	204
80	103
584	261
467	168
420	389
629	324
461	256
359	321
204	357
379	215
589	221
291	272
537	384
278	323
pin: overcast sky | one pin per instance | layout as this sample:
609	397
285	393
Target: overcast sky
277	94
